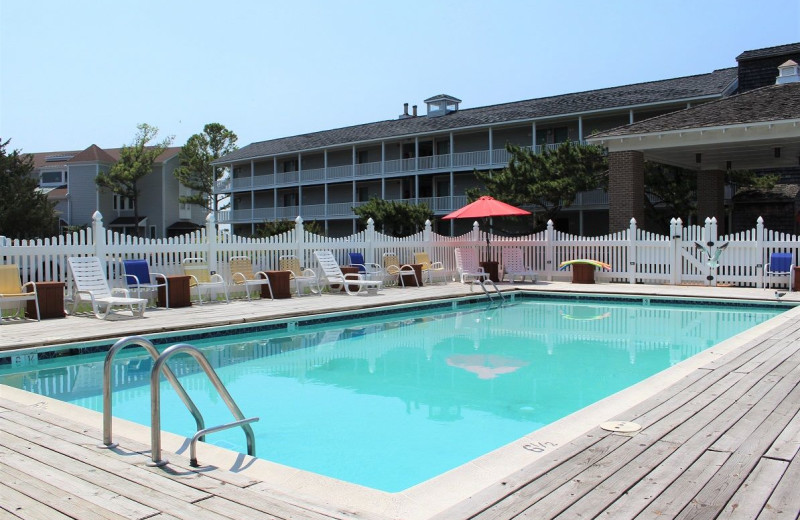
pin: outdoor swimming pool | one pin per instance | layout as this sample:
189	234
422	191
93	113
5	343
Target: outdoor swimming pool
390	401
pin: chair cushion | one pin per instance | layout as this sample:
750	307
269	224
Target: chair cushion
780	262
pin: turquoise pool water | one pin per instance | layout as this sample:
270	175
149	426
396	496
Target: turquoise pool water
390	401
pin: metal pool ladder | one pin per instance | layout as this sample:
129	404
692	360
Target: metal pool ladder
484	283
160	366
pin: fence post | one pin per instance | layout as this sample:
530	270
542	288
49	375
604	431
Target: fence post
631	268
370	246
299	241
426	238
99	232
548	250
211	236
676	250
760	253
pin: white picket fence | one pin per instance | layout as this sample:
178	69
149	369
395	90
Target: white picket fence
636	256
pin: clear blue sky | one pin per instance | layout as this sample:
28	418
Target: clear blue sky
77	72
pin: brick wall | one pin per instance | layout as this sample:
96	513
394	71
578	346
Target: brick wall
625	189
711	196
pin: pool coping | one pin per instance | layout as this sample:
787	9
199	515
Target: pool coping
444	491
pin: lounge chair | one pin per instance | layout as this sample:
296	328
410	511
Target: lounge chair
242	274
467	266
332	274
393	272
140	280
92	286
514	265
13	290
780	264
369	270
203	279
303	278
429	269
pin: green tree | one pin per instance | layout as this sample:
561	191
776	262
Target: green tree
548	181
197	172
670	191
270	228
25	212
395	218
135	162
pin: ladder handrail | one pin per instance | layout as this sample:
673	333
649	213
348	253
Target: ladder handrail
155	399
107	365
483	284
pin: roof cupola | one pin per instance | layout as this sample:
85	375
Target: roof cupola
441	105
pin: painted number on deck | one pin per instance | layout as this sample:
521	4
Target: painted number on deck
539	447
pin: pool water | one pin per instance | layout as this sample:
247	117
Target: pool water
389	402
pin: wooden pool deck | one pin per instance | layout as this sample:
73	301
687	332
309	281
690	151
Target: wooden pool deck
721	442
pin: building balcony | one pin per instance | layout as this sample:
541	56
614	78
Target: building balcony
464	161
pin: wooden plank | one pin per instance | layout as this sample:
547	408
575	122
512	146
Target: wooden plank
54	497
93	457
710	501
785	500
787	445
98	477
14	504
540	487
749	500
189	478
222	506
685	487
630	489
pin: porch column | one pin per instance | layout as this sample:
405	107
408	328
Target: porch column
625	189
711	196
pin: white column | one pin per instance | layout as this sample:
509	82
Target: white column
533	136
580	129
491	146
630	117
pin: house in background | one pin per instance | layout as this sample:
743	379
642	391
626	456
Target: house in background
68	178
430	158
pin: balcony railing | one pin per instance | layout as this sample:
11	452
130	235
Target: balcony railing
497	158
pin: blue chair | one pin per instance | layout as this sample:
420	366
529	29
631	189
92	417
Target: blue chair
780	264
370	271
138	279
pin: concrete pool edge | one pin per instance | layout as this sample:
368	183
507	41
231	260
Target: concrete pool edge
448	489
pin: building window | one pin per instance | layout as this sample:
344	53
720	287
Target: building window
443	188
122	203
184	210
362	194
289	200
362	156
290	166
53	177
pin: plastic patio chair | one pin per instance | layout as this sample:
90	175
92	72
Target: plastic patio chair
242	274
332	274
468	267
91	285
203	279
514	265
13	290
393	271
139	279
303	278
369	270
430	268
780	264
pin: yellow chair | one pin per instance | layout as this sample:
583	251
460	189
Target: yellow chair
13	290
202	278
242	274
430	268
303	278
393	272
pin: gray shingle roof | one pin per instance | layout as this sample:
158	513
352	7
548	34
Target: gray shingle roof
771	103
712	84
769	51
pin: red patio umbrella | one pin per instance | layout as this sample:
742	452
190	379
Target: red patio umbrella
486	207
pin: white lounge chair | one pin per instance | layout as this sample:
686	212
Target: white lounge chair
242	274
468	267
13	290
92	286
332	274
514	265
203	279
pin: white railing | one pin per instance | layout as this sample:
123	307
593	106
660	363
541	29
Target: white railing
636	256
